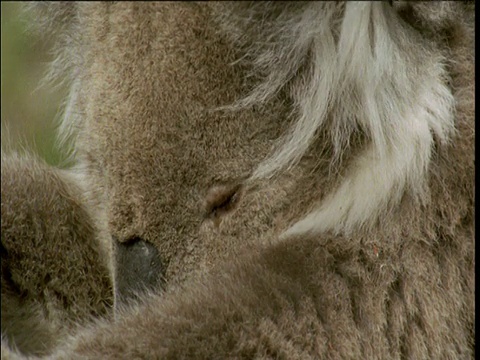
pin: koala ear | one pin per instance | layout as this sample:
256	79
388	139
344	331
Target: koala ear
59	24
51	16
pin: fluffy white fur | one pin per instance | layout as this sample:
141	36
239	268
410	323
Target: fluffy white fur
67	127
363	74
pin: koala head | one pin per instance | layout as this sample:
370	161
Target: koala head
168	139
162	159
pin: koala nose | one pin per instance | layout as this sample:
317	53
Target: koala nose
138	268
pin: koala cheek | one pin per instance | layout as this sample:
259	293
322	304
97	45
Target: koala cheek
139	268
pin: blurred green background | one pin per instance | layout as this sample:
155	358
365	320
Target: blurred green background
29	113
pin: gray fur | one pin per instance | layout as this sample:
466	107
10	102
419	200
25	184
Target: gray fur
54	273
172	101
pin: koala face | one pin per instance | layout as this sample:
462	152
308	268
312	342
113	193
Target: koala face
165	156
165	162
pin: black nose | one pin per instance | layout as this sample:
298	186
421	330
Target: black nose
138	268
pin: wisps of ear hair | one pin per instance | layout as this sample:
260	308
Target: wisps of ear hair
360	66
59	22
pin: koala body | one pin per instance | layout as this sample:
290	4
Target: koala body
299	177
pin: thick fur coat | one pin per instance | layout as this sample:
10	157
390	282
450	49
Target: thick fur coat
299	175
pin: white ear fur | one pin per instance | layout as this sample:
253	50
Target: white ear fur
376	78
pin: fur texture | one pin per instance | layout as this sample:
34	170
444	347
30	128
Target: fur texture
50	252
349	129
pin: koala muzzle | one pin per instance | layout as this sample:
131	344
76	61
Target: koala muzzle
138	268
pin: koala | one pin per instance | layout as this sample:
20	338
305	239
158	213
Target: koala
50	250
270	179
